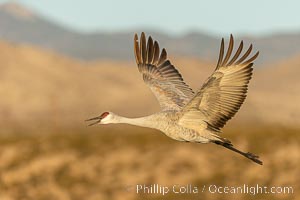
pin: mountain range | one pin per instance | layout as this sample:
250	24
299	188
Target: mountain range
42	89
19	24
42	75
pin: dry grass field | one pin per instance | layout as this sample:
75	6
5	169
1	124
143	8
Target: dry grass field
108	163
47	152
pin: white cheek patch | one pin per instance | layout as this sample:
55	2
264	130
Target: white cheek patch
106	120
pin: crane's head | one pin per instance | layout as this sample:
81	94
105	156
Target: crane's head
104	118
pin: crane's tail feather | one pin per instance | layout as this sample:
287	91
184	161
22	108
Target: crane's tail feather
248	155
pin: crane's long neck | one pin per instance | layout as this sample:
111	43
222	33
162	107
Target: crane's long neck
140	121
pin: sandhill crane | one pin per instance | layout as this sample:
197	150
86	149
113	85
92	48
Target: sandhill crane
185	115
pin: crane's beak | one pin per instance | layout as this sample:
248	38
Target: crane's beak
98	120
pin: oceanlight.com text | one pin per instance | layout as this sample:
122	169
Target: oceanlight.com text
252	190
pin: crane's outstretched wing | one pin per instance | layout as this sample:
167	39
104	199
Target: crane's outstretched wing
223	93
160	75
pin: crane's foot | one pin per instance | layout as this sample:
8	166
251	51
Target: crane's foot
253	157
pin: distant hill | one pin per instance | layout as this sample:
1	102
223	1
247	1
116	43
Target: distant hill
21	25
39	88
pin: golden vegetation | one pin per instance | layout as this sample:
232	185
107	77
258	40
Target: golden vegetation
108	163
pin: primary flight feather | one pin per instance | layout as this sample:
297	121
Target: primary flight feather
187	115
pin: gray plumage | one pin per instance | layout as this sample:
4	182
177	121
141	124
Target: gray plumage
187	115
160	75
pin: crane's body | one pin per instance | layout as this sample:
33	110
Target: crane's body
186	115
167	122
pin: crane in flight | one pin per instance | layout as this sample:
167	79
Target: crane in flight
187	115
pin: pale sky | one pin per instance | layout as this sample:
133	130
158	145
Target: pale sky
171	16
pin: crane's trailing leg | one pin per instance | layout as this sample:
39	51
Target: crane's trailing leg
248	155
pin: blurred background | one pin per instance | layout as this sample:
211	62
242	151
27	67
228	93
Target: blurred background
62	62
